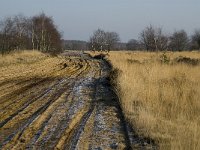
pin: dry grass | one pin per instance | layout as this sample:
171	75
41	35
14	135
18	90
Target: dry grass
20	57
161	98
32	64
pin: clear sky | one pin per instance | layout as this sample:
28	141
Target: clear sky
77	19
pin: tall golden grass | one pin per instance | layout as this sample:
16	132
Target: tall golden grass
160	97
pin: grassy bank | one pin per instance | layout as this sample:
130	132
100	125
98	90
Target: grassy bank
160	95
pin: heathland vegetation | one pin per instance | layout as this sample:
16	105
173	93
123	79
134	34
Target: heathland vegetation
159	93
159	87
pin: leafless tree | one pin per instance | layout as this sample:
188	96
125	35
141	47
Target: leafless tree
97	40
7	35
103	41
179	41
195	40
21	31
161	40
44	34
37	32
111	38
153	39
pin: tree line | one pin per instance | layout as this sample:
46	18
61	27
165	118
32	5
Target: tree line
75	45
153	39
36	32
150	39
40	32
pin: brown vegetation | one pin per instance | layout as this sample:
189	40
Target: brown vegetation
159	94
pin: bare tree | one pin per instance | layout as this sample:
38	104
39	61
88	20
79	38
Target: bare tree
147	37
21	31
97	40
153	39
45	35
111	38
102	41
161	40
7	32
38	32
195	40
179	41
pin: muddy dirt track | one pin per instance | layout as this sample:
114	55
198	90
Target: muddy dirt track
78	110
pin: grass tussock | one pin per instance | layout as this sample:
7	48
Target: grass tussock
160	95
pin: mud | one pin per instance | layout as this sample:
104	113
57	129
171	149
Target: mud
78	111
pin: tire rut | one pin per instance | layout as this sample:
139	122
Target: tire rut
81	111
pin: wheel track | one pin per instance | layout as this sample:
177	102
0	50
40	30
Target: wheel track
27	88
26	105
22	98
55	131
63	125
76	112
77	131
33	116
84	105
12	116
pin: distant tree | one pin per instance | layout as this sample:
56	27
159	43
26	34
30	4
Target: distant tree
75	45
153	39
14	33
21	32
162	40
133	45
195	40
7	42
97	40
38	32
111	38
101	40
45	36
179	41
120	46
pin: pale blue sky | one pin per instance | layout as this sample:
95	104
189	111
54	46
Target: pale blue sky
79	18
